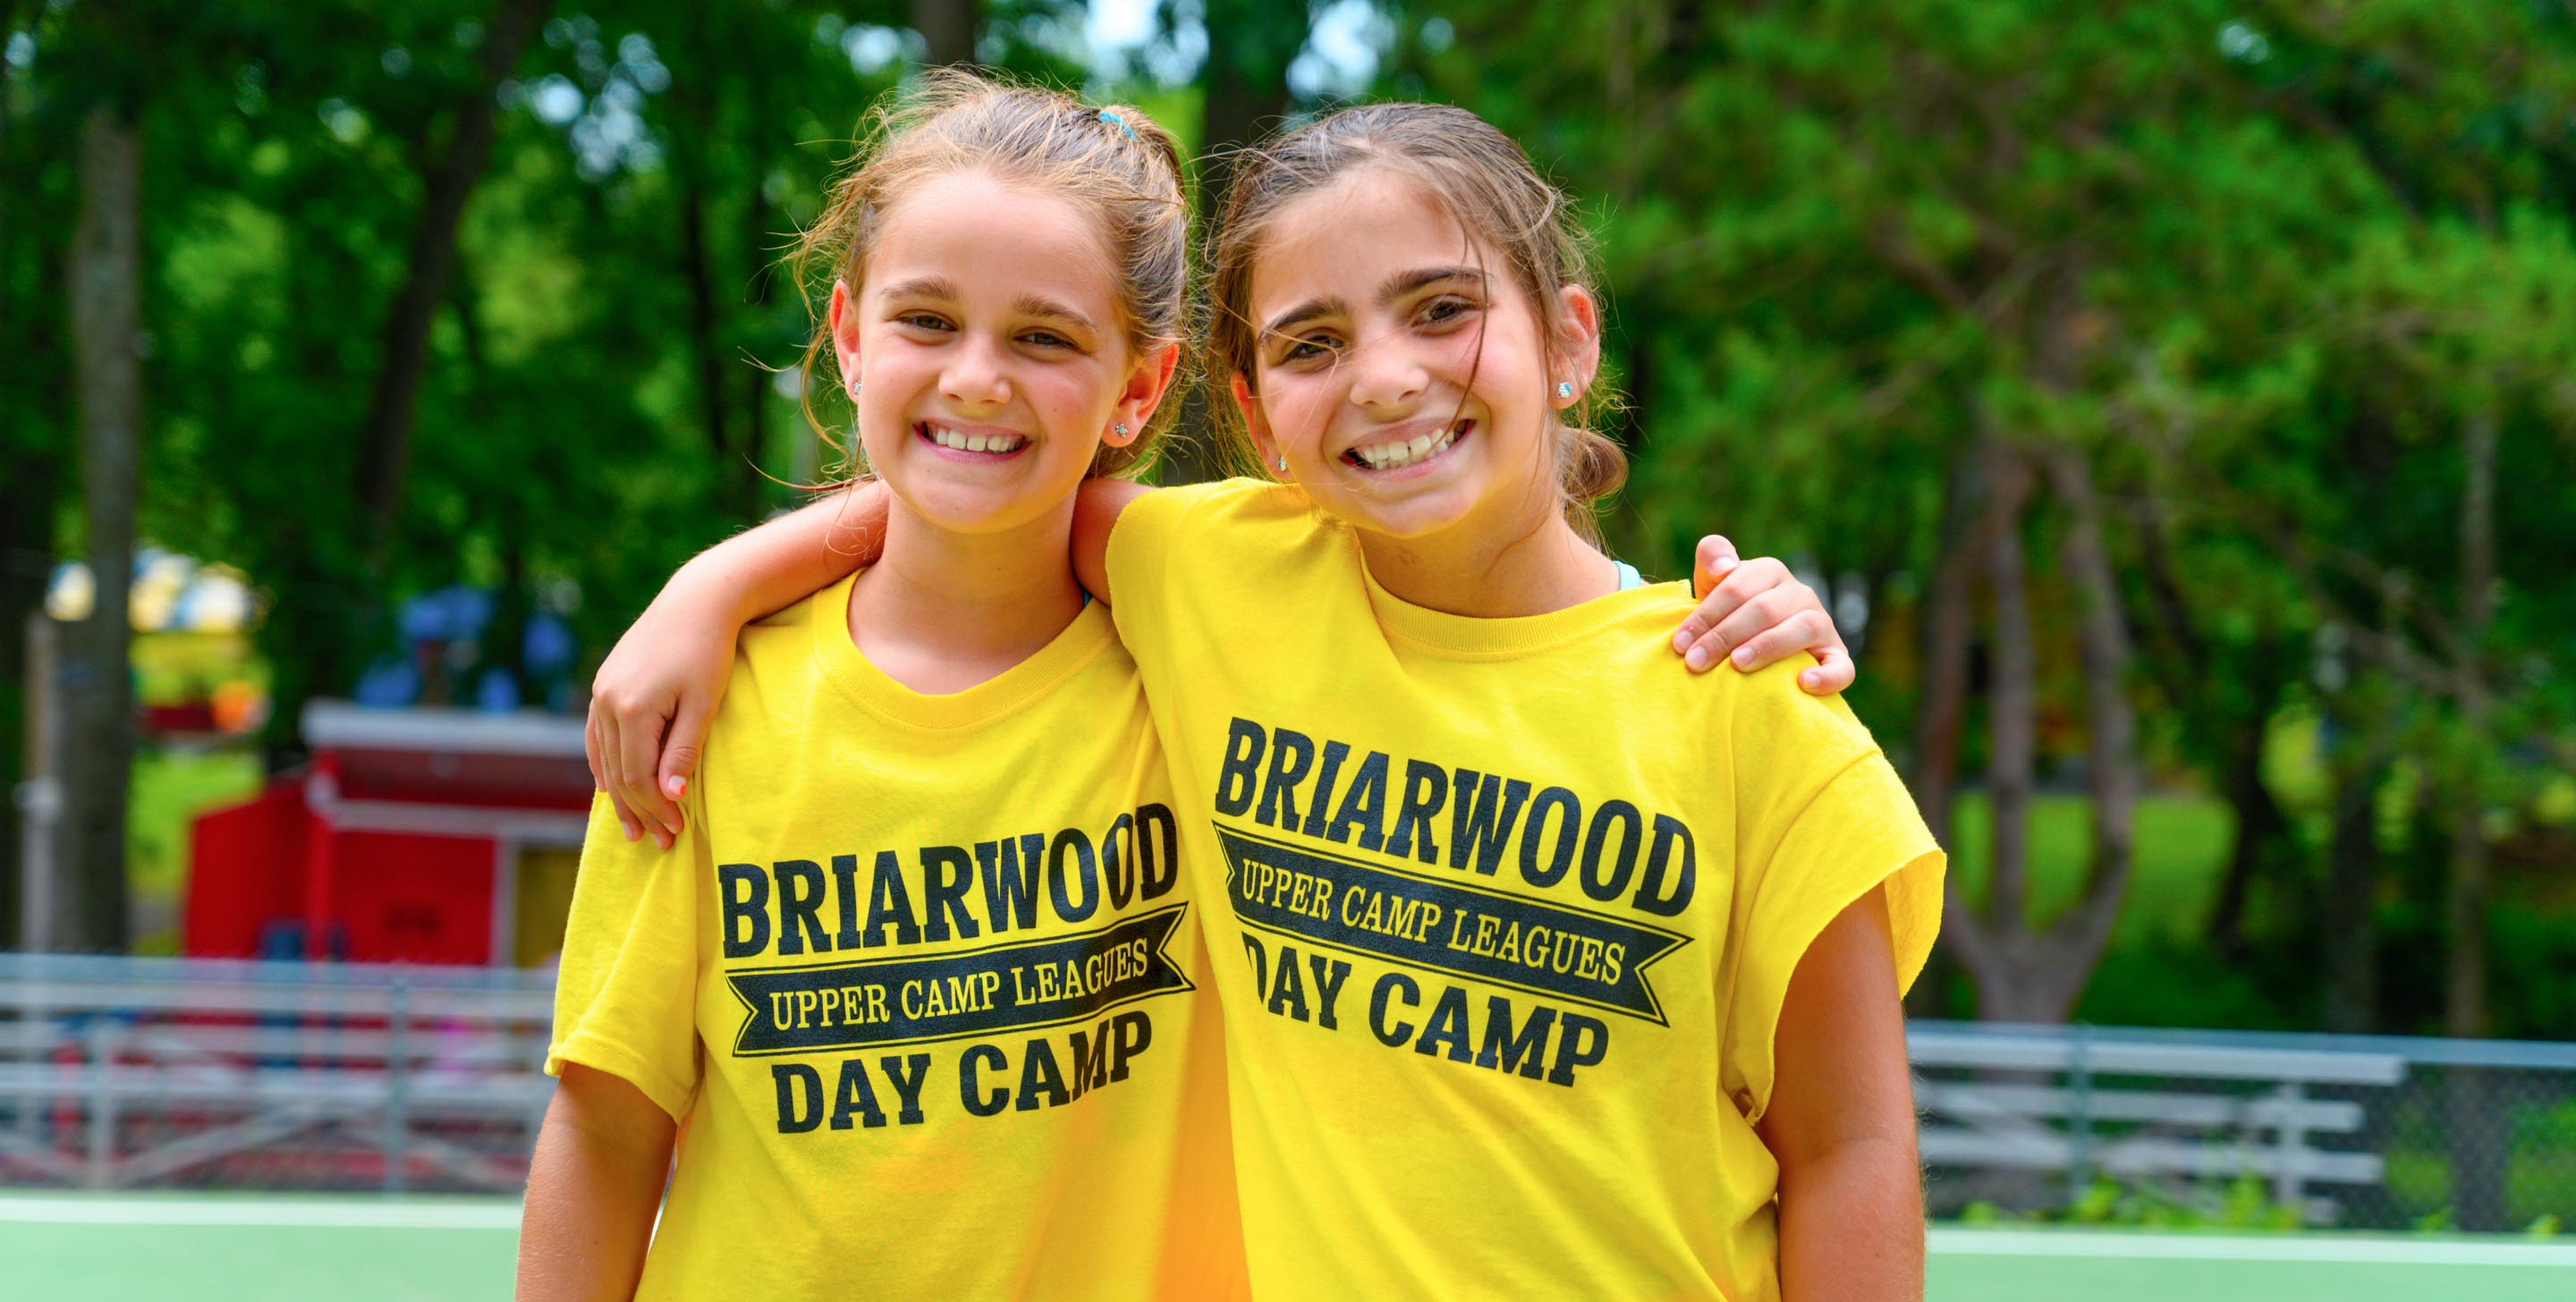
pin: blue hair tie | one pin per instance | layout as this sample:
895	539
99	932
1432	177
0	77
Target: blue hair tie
1107	116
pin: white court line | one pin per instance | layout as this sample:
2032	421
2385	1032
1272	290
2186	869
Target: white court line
306	1212
2216	1247
2319	1248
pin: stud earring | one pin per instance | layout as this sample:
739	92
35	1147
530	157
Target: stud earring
854	388
1281	464
1119	429
1565	388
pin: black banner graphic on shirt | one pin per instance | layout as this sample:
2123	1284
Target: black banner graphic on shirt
1018	986
1527	944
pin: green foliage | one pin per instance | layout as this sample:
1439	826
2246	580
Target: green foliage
2264	268
2241	1203
2261	266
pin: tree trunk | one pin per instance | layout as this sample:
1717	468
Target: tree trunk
2465	992
1949	634
31	474
106	312
948	27
2012	702
384	458
2477	1122
2359	767
2024	972
2259	823
2181	663
1971	517
2079	936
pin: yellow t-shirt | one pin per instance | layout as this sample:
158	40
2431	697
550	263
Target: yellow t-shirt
921	986
1509	908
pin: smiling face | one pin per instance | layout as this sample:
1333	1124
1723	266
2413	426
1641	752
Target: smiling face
991	351
1400	369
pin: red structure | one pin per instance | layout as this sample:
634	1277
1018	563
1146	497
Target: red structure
416	835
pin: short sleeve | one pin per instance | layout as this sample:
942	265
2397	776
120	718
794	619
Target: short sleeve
1822	820
626	993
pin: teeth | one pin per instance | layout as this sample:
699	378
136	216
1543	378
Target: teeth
949	438
1390	455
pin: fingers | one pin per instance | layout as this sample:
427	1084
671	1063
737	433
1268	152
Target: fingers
1704	639
599	743
1710	562
1834	671
680	751
637	740
1795	631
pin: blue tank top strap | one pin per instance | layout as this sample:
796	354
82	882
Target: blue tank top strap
1628	576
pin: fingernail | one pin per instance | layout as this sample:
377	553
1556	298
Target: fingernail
1681	640
633	832
1696	658
1809	679
1724	567
1743	656
675	785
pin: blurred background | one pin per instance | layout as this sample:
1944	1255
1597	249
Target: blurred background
2175	401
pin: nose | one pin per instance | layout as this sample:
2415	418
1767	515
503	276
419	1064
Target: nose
975	377
1385	373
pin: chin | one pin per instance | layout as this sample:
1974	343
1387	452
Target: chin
1403	521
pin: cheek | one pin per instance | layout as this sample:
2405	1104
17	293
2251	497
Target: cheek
1296	405
1069	392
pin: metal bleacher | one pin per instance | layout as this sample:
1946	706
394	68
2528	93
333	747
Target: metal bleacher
120	1073
134	1073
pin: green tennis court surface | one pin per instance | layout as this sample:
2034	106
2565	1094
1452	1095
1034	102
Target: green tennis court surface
217	1249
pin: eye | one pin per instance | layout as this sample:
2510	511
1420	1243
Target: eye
1046	339
1446	308
1308	347
922	321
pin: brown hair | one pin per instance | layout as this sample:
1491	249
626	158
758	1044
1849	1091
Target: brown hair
1116	162
1484	181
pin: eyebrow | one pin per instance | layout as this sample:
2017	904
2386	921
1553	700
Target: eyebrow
1033	305
1395	289
922	287
940	287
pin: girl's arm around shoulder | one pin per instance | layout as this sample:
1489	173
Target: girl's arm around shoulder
655	695
1841	1121
1097	508
593	1188
1755	613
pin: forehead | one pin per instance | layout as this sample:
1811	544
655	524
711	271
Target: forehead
1346	239
990	235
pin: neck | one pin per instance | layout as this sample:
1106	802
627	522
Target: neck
1518	566
941	611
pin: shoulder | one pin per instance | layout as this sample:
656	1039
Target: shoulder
1231	504
1763	720
1234	500
1200	534
776	670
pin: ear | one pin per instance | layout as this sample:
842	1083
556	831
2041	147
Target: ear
844	325
1147	384
1253	421
1577	354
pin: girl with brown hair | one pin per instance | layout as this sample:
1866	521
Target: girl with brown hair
1564	973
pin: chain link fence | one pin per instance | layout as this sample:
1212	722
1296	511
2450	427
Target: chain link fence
122	1073
2246	1128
